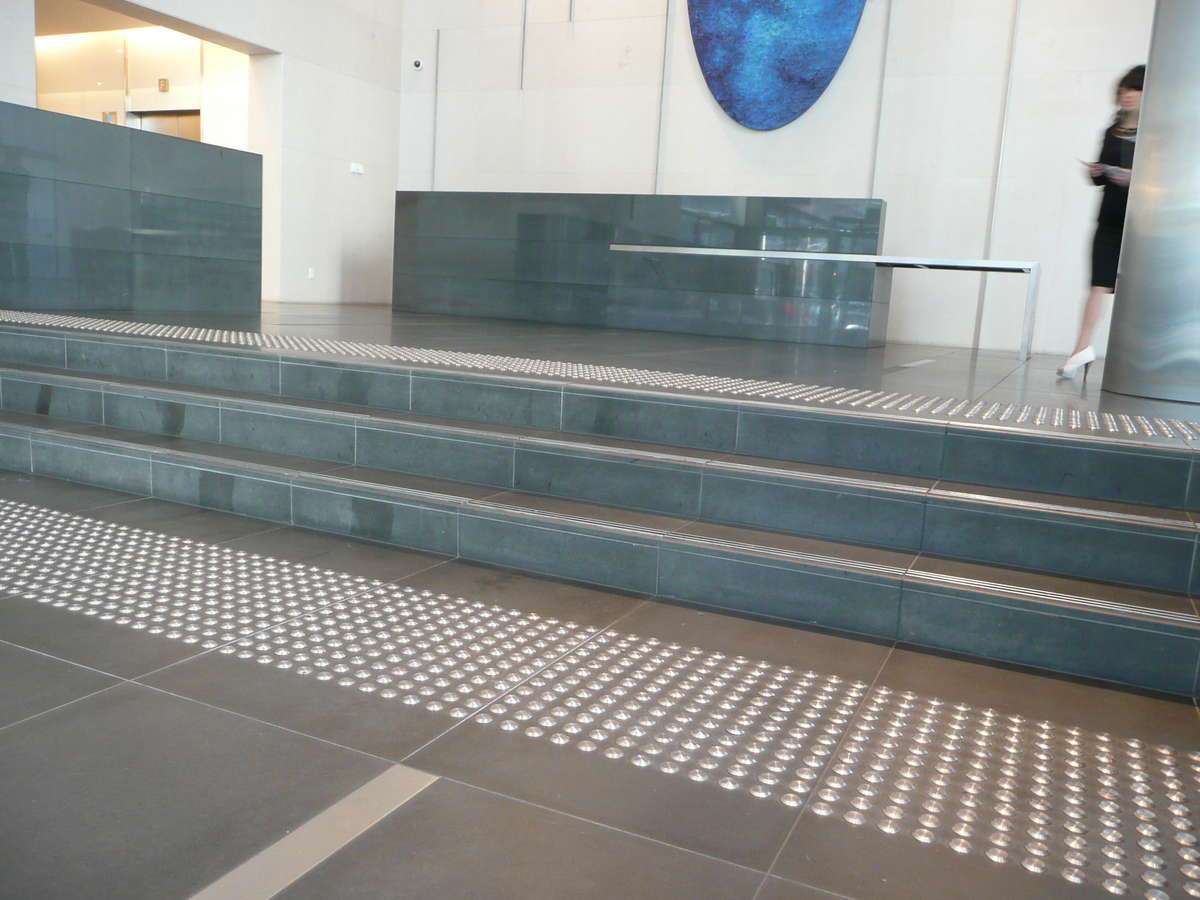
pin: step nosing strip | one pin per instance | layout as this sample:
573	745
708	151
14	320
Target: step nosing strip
978	585
1081	512
793	555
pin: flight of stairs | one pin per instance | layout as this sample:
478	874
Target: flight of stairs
1065	552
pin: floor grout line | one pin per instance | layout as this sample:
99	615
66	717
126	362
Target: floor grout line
634	834
46	712
497	699
250	718
824	769
61	659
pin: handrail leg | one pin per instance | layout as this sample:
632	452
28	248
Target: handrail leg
1031	298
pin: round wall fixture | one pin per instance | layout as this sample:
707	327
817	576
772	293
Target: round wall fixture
768	61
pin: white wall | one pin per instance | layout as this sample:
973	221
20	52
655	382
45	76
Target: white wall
330	98
921	114
155	53
18	68
90	74
224	97
82	74
324	92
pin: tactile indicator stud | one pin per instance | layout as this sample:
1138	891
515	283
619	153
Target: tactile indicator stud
1057	801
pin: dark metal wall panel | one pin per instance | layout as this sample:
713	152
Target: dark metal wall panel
546	257
100	217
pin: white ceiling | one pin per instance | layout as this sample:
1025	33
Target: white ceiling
75	16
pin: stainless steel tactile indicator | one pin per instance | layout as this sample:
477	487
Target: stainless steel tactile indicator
1026	416
177	588
1058	801
744	725
1054	800
444	654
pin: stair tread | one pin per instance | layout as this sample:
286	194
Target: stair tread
735	465
1107	598
1081	505
1021	580
776	544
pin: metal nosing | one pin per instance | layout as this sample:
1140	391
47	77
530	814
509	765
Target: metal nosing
979	586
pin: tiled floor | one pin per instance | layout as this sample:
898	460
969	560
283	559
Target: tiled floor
190	700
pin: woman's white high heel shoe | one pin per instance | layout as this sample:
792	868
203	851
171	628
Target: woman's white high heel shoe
1081	360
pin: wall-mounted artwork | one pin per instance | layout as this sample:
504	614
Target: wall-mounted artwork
767	61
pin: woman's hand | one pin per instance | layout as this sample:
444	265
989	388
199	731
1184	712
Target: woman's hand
1120	177
1095	169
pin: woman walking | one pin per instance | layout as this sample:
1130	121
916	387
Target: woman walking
1112	170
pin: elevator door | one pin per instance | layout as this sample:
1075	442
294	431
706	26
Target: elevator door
181	123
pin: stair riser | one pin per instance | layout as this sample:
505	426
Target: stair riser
883	603
1108	470
1159	558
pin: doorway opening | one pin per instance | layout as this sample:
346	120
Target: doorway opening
111	67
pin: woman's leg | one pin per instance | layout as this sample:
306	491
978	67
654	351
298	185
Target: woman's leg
1093	309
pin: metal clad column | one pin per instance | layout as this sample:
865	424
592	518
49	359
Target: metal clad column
1154	348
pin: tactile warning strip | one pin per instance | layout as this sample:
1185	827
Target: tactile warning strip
1026	416
1058	801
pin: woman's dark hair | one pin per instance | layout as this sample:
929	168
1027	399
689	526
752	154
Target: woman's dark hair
1133	79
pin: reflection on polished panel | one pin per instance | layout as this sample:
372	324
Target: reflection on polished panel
1060	802
546	257
104	218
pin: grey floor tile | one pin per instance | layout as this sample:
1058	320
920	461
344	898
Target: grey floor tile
335	552
369	721
61	495
31	683
1037	719
806	650
866	864
181	521
84	640
701	817
1067	702
139	794
730	824
324	710
544	596
781	889
454	841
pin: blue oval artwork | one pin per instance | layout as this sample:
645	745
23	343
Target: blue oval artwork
767	61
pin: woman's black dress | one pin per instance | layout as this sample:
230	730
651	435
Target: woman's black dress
1116	150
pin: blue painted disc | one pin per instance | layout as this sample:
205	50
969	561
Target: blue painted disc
767	61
